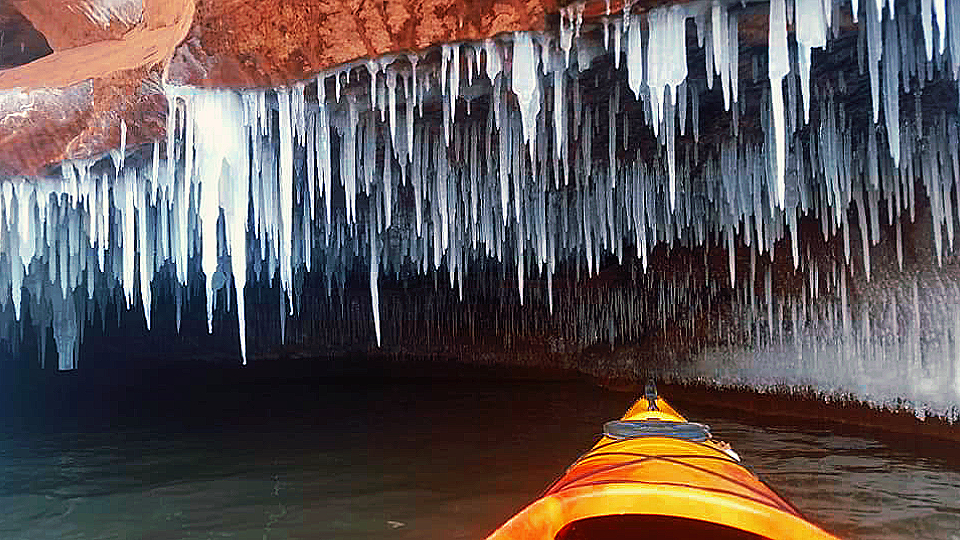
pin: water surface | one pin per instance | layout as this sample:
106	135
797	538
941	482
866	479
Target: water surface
403	459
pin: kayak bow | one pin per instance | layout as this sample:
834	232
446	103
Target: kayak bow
653	474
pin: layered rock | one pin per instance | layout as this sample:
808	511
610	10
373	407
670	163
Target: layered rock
110	58
100	86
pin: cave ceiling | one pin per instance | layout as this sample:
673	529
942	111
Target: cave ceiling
309	177
74	70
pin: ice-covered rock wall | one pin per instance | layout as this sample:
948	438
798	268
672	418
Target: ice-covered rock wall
558	152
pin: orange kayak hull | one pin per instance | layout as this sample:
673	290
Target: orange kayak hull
660	475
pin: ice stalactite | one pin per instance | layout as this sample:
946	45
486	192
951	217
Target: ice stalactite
811	33
778	67
666	71
530	152
525	84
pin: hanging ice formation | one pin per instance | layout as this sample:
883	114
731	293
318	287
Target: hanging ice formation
494	152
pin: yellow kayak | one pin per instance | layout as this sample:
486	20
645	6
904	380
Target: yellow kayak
655	475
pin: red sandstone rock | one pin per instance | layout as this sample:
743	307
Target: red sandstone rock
236	43
109	57
21	42
106	64
70	104
72	23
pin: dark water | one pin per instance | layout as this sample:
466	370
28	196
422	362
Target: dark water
401	459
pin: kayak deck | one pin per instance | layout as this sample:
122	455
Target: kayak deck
655	475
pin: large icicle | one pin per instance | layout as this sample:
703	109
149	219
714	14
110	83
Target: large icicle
525	84
721	49
235	203
811	33
666	71
635	57
210	159
778	67
285	179
891	88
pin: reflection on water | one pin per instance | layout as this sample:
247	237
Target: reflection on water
404	460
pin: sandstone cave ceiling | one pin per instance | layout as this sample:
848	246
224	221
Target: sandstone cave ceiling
759	193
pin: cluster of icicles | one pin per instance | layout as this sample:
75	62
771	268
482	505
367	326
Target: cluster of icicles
268	183
896	347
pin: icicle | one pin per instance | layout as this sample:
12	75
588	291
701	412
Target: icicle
899	236
374	276
566	33
612	138
666	57
891	89
681	108
285	179
811	32
382	100
323	145
874	51
414	59
348	175
617	33
768	295
494	64
721	52
369	151
298	111
671	138
454	78
391	82
926	21
559	118
123	144
144	251
336	85
779	66
183	200
733	45
695	116
410	103
635	58
656	58
373	67
387	186
864	236
525	84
